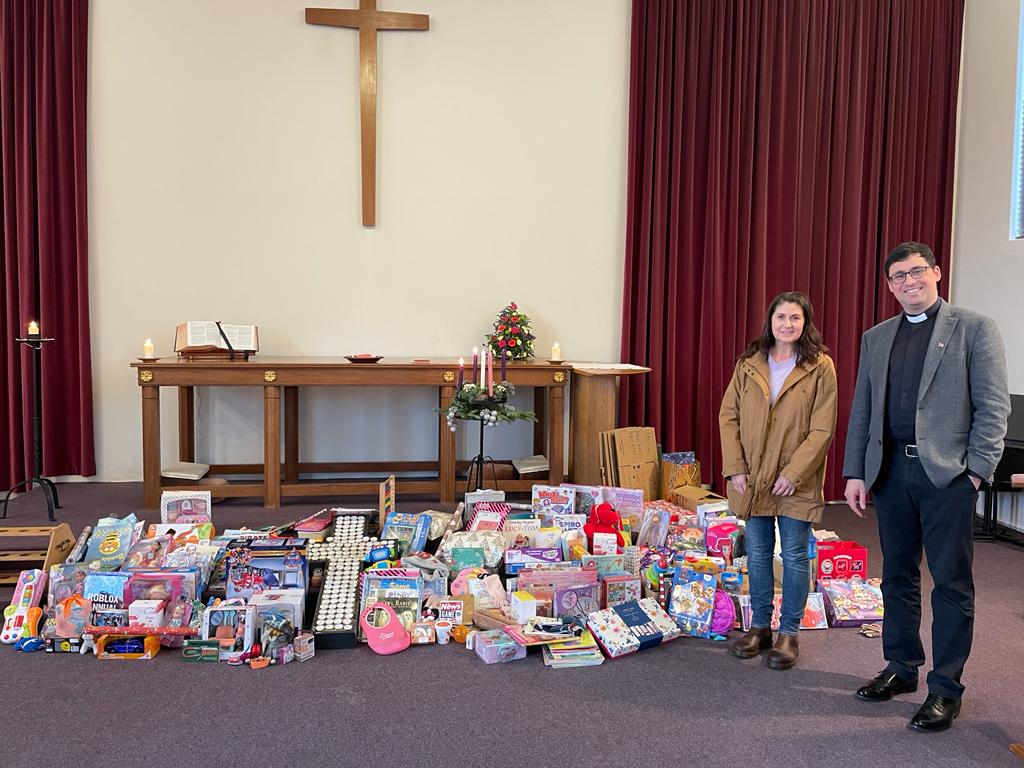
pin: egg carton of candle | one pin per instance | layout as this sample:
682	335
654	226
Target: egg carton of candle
334	620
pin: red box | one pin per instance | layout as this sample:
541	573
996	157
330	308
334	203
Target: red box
842	560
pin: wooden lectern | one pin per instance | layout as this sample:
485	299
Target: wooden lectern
593	404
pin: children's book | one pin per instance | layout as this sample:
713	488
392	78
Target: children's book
400	588
109	543
520	532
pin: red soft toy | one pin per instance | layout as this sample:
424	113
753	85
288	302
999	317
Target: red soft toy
604	519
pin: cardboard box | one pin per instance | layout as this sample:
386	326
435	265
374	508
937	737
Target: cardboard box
690	497
148	613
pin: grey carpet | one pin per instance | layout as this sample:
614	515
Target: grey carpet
688	703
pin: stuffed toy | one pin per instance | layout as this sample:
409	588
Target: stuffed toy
604	519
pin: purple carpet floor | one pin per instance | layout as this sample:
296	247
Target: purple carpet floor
689	703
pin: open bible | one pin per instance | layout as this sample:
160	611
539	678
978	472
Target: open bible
212	338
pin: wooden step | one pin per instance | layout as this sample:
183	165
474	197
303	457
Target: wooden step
22	555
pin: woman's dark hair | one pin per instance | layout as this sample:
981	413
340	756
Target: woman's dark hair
808	346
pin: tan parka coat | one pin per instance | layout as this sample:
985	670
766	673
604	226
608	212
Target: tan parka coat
790	438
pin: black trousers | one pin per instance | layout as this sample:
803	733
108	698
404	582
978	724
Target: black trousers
913	513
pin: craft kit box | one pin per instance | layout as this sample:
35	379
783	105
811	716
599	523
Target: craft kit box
494	647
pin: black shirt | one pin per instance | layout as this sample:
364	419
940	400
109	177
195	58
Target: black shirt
905	365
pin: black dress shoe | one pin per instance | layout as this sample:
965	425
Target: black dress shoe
936	714
885	686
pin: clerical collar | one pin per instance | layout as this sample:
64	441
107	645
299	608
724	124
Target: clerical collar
930	312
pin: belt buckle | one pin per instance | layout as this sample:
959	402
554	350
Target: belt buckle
910	451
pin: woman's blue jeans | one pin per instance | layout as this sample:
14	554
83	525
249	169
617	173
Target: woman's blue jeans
795	570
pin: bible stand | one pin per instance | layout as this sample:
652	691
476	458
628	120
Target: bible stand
35	343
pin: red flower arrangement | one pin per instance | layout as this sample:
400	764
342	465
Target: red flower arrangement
512	334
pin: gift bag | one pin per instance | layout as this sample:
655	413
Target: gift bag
71	615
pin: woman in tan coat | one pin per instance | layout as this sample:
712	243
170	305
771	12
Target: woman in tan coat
777	420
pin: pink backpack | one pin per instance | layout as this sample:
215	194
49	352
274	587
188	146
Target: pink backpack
723	617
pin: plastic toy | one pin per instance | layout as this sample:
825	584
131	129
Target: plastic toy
278	632
131	647
21	617
389	638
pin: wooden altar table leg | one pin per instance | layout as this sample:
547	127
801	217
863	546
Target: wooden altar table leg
186	424
445	448
556	435
539	401
271	447
151	447
291	434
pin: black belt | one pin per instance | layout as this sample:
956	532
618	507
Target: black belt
908	450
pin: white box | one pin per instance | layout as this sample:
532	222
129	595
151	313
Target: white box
148	613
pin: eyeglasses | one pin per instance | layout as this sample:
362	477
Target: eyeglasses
901	277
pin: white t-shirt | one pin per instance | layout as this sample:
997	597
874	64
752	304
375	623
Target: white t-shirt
778	373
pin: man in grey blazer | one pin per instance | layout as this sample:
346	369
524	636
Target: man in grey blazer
926	428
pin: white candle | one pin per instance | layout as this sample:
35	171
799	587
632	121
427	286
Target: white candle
556	351
33	328
483	368
147	349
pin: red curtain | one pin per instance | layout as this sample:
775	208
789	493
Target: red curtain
45	277
775	145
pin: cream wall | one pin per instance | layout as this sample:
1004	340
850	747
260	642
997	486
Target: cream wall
224	184
988	270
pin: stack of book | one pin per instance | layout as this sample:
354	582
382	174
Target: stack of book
581	651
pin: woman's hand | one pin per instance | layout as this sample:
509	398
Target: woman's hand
739	482
783	487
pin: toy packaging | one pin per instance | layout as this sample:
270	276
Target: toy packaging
619	588
233	626
692	601
517	559
290	603
586	498
409	530
814	612
842	560
576	601
604	564
185	507
268	564
550	501
399	588
65	581
495	647
852	602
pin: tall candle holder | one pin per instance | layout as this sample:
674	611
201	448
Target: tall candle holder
35	342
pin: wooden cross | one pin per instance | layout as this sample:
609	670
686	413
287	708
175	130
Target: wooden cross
368	20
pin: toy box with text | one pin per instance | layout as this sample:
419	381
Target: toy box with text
619	588
842	560
266	564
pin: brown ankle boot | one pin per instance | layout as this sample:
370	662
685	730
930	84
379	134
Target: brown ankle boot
783	655
755	640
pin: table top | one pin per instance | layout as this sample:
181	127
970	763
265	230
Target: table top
298	361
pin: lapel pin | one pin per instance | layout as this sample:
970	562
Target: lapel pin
941	345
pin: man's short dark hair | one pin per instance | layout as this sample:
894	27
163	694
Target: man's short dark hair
906	250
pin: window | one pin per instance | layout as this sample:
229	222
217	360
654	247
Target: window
1017	193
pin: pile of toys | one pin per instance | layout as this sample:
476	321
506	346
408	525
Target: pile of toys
584	572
